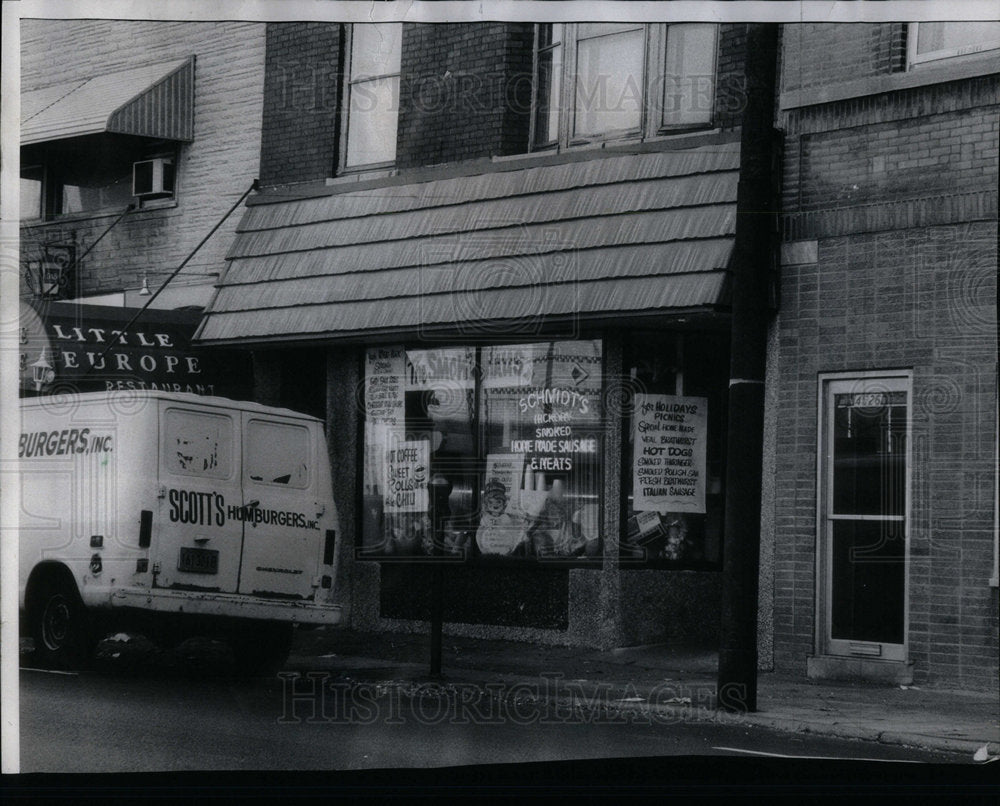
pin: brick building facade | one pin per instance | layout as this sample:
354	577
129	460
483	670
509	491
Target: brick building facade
466	94
594	257
878	555
497	286
77	173
888	308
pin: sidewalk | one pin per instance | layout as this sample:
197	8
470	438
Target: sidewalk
678	683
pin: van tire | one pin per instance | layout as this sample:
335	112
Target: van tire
261	648
60	626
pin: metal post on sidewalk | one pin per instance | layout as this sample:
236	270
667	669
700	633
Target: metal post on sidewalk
752	262
437	619
440	488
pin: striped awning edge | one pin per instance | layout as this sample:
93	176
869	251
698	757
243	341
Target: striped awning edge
155	100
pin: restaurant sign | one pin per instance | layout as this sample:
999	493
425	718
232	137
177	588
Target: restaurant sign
68	346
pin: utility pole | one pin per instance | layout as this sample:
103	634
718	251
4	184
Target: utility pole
752	260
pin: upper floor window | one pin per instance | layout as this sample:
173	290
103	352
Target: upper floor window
95	175
930	41
605	81
31	192
371	102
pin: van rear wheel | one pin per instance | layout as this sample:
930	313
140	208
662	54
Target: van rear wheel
60	627
261	648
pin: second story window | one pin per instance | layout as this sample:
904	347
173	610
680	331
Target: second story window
96	175
31	192
371	104
931	41
596	82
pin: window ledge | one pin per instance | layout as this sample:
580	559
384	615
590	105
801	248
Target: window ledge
280	194
361	176
527	155
919	75
156	204
94	215
615	145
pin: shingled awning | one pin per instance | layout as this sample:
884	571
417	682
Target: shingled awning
607	236
156	100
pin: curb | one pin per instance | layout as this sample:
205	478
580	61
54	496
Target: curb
943	743
901	738
672	712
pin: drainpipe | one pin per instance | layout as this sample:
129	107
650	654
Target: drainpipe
751	271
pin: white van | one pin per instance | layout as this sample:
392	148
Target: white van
185	511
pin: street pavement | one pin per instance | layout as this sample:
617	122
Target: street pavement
678	681
106	722
651	686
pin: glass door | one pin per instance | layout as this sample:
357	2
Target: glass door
863	517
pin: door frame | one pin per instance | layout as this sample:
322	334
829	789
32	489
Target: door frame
824	644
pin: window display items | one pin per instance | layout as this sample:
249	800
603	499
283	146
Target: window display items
515	432
554	532
501	526
541	402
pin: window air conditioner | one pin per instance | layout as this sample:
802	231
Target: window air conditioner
153	178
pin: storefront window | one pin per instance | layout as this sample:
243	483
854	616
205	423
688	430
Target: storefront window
542	438
673	459
484	453
420	453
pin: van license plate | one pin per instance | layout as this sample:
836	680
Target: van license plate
198	561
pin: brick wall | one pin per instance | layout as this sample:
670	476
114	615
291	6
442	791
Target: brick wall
301	100
818	54
730	94
867	150
900	194
898	159
465	92
212	172
467	89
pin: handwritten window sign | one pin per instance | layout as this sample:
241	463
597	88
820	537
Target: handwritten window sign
384	385
668	468
406	472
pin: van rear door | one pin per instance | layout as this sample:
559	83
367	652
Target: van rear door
199	533
282	531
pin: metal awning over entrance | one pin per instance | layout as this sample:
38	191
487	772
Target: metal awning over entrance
607	236
152	101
